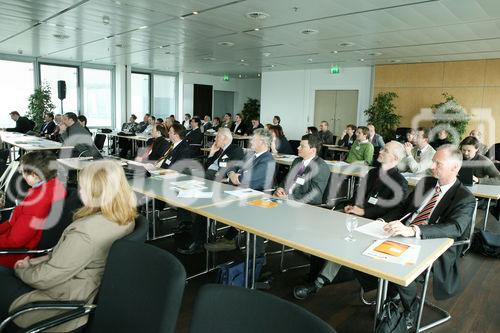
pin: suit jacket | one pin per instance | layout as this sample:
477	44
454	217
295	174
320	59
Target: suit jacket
283	146
178	158
207	126
141	127
251	129
484	169
23	229
194	137
78	136
158	148
451	218
256	173
315	178
23	125
377	141
226	159
326	137
48	128
378	192
241	130
347	141
74	269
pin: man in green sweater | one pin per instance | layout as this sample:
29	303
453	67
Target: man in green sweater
361	149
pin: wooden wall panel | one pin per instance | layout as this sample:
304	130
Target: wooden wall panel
464	73
475	84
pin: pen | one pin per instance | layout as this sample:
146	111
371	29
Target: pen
404	217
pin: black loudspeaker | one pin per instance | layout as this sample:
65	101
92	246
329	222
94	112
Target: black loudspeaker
61	89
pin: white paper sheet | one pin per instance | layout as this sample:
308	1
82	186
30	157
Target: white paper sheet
243	193
194	194
409	257
375	229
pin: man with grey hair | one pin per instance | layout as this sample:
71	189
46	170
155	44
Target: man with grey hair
439	207
257	173
223	155
381	190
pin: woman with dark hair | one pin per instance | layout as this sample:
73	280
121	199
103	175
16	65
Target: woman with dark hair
276	121
280	144
83	121
483	169
156	146
25	226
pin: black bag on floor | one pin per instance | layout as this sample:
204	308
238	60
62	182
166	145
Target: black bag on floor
234	274
486	243
390	319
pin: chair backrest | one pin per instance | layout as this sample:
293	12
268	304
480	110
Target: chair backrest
494	152
60	216
225	309
99	140
140	230
466	238
141	290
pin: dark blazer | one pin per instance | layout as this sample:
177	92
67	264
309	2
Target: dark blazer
178	159
256	173
326	137
48	128
194	137
241	130
451	218
207	126
251	129
283	146
141	127
78	136
347	141
160	146
382	187
23	125
216	127
315	176
226	159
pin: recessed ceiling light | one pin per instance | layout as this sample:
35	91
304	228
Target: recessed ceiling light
345	44
143	27
256	29
181	17
60	36
239	75
118	3
225	44
272	66
258	74
309	60
335	51
266	54
309	31
105	19
209	58
242	60
375	54
195	13
257	15
361	59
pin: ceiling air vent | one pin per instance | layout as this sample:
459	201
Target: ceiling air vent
225	44
345	44
309	32
257	15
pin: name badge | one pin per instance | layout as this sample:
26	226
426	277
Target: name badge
300	181
224	157
373	200
223	164
168	162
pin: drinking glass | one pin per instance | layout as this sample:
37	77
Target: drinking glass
351	223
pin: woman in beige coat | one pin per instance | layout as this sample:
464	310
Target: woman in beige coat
73	271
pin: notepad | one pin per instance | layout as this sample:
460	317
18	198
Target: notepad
375	229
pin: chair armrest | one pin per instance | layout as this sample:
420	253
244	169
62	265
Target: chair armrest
461	242
43	305
24	251
59	319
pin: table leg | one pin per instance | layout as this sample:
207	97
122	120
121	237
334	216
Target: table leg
486	212
253	260
422	298
154	218
247	259
381	295
147	216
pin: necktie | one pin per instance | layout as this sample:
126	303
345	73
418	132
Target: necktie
419	152
425	213
159	162
300	170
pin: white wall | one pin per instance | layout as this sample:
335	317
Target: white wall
243	88
290	94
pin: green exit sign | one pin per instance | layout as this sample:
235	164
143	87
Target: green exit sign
226	77
334	70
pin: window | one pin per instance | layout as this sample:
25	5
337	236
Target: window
53	73
16	85
97	97
164	95
140	94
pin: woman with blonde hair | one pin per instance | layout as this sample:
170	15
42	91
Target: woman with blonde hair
73	271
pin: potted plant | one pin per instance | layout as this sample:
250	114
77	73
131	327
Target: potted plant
251	109
39	104
451	116
382	114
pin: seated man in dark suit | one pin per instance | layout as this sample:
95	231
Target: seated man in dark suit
440	206
74	134
178	156
238	127
255	125
257	173
308	176
23	124
382	189
48	126
223	156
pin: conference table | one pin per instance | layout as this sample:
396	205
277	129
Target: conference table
116	134
28	143
240	139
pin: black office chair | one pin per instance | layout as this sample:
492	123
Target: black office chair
223	309
99	140
141	291
140	230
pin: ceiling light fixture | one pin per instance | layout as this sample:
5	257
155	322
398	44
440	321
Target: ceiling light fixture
228	44
143	27
258	74
345	44
242	60
195	13
105	19
309	60
266	54
361	59
257	15
309	31
256	29
60	36
335	52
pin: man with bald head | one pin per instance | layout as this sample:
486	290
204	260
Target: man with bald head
439	207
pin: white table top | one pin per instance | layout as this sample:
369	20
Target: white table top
321	232
355	169
30	142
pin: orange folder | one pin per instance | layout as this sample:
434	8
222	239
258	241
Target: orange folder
263	203
392	248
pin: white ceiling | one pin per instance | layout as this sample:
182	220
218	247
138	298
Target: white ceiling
165	35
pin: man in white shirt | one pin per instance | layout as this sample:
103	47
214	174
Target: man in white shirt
439	207
419	158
